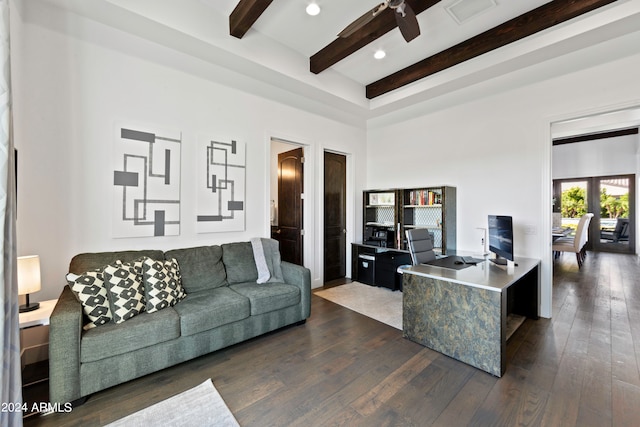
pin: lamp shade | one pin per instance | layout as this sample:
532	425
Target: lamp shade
28	274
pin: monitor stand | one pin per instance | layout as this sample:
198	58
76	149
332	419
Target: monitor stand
499	261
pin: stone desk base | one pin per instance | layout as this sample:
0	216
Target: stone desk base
453	319
464	320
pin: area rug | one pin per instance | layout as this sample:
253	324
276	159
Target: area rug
199	406
381	304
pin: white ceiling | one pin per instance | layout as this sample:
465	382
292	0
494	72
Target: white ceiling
286	22
272	59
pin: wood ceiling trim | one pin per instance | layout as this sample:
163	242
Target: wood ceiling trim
541	18
245	15
340	48
595	136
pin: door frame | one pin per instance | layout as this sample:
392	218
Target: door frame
593	205
346	197
313	220
310	188
547	131
349	208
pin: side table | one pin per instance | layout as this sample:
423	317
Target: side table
35	318
35	375
39	317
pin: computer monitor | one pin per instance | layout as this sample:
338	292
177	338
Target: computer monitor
501	238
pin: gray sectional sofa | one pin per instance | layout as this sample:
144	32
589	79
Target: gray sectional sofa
224	305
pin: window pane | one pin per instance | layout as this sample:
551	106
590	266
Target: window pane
573	202
614	211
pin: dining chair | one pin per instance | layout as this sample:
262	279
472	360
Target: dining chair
420	242
577	243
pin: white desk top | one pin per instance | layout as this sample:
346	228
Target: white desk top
38	317
485	275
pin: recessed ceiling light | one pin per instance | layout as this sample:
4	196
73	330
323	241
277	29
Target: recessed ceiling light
313	9
379	54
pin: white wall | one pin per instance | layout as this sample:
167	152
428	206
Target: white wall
497	149
601	157
74	79
70	90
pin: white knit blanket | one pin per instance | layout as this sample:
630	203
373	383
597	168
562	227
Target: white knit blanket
261	262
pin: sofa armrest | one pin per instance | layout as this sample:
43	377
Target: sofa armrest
65	329
299	276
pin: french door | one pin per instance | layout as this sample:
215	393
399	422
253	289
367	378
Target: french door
612	201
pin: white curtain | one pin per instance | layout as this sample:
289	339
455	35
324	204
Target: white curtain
9	331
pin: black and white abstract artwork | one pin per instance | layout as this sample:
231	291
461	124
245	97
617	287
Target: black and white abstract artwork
146	182
220	185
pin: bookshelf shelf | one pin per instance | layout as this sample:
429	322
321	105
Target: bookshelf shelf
398	210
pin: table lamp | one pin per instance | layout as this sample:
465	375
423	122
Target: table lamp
28	279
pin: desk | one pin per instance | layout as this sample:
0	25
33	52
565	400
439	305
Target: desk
463	313
377	266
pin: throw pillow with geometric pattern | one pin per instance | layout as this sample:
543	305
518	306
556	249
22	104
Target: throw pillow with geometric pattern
125	289
162	284
180	292
90	290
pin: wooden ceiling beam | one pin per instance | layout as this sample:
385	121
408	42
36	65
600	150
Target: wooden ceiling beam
340	48
596	136
541	18
245	15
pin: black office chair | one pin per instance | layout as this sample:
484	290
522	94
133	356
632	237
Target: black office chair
620	233
420	243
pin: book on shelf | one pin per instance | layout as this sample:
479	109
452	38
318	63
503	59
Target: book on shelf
424	197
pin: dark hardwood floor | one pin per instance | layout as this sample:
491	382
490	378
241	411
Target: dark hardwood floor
579	368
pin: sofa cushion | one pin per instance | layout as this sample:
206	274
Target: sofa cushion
268	297
125	289
90	290
204	310
162	284
144	330
239	263
91	261
201	268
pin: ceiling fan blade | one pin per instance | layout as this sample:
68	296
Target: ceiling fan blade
407	22
363	20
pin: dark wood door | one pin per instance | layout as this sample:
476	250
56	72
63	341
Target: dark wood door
335	199
290	206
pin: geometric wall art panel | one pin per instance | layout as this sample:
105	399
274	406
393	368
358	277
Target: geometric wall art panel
146	182
220	189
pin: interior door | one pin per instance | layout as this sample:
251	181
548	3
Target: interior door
290	205
335	232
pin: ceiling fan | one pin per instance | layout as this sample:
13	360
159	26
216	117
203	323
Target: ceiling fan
405	18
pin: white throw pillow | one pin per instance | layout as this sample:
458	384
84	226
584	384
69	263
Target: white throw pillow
125	289
162	284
